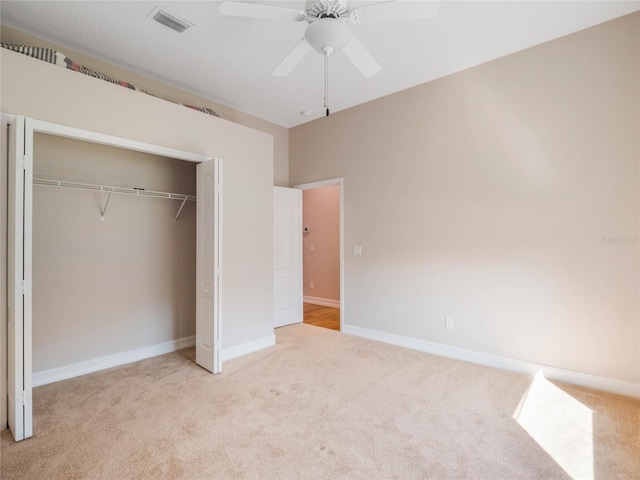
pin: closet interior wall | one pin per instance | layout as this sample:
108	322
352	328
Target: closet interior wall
106	287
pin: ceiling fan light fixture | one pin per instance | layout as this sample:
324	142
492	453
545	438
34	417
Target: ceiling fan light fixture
327	35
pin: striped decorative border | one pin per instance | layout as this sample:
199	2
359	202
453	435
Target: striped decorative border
57	58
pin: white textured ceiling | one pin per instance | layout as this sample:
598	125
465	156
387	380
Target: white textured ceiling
230	60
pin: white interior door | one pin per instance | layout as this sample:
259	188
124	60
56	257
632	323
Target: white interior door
20	181
208	260
287	256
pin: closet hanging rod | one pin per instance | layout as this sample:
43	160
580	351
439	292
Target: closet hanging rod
110	189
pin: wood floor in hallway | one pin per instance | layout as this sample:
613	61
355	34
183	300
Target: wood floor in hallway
325	317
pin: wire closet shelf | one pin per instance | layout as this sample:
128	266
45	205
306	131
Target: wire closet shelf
139	192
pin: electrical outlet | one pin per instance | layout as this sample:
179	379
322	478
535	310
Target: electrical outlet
311	285
448	323
311	247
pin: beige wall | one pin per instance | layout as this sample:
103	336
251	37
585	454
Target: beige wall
33	88
485	196
321	213
280	134
47	92
117	285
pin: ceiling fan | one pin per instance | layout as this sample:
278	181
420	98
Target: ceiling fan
327	31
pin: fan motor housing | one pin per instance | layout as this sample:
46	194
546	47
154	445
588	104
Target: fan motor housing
326	8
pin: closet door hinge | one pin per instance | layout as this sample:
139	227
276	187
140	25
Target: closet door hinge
25	162
22	398
23	287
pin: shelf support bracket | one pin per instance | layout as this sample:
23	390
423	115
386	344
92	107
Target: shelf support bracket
104	210
180	210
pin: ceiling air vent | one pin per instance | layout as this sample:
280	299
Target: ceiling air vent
170	20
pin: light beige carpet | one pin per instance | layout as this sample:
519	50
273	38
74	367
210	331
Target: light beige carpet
323	405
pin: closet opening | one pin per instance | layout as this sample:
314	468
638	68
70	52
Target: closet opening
110	259
113	273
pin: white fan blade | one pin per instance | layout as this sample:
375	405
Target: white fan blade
252	10
360	57
294	57
393	10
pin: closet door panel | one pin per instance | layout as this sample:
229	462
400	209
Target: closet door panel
18	281
208	271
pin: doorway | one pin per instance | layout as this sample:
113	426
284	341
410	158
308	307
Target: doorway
322	256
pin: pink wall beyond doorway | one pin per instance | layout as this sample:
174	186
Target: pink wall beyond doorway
321	214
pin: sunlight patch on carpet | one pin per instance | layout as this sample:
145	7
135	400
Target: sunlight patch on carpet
560	424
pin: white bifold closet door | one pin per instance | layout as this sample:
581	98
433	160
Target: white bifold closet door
19	389
208	261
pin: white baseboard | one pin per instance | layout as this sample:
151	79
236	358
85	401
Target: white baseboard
553	373
250	347
323	302
90	366
70	371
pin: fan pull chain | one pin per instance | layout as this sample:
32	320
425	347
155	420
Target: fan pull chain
326	82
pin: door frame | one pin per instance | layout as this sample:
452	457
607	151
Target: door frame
5	119
330	183
32	126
